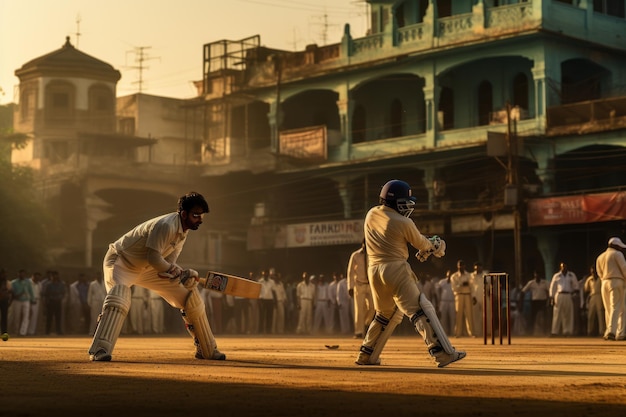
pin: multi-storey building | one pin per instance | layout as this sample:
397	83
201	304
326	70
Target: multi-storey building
507	118
100	168
483	106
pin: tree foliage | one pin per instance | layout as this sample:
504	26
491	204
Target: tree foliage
23	222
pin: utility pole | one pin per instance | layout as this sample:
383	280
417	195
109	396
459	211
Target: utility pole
512	191
140	58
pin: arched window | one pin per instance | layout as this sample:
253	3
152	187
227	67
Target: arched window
27	104
59	102
101	108
520	91
485	103
101	100
397	118
399	13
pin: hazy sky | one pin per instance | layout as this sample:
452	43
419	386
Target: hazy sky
171	33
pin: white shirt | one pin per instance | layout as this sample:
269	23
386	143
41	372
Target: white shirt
357	268
163	234
387	233
538	290
267	289
563	283
611	264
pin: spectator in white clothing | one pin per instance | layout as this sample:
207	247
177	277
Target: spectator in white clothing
562	286
345	306
35	282
95	298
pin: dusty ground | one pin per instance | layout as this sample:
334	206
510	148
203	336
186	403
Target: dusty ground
299	377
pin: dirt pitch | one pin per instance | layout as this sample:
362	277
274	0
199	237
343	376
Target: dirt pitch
293	376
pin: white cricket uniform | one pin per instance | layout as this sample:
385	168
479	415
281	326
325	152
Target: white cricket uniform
95	298
34	307
611	268
447	312
358	282
345	304
157	313
392	280
461	286
595	306
126	262
478	288
305	291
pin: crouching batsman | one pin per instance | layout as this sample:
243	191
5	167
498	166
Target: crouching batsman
388	229
146	256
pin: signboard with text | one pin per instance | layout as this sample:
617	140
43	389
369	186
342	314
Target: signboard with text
587	208
308	143
342	232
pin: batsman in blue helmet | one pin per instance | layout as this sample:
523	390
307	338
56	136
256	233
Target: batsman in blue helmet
388	232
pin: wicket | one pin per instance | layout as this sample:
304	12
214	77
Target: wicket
496	282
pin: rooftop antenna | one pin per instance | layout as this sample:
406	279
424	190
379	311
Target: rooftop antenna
296	39
140	58
325	27
77	29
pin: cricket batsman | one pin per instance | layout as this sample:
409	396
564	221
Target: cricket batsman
388	231
146	256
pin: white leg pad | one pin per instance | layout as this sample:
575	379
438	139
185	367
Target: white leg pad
428	325
114	311
378	333
197	323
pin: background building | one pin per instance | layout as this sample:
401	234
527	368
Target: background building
507	120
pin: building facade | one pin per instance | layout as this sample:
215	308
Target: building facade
484	107
99	167
507	118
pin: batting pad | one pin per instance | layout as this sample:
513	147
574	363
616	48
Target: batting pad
114	310
428	325
378	333
197	323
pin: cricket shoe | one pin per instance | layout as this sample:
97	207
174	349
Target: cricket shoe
364	359
445	359
217	355
100	356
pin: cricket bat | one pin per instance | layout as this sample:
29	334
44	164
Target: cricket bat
230	284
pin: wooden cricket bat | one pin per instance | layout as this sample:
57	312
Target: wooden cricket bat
230	284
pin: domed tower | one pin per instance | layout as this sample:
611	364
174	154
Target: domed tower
67	109
62	94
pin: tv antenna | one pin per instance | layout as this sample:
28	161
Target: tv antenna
77	29
140	57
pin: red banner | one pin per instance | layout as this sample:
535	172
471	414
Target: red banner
588	208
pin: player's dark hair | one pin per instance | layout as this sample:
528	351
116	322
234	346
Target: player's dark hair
192	199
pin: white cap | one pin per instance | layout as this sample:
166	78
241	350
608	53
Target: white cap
617	242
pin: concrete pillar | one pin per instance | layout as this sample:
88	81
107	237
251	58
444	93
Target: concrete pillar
96	210
548	245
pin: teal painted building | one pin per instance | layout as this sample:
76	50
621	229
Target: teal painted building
482	106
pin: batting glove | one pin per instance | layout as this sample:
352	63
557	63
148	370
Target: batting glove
189	278
172	273
422	255
439	246
438	249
